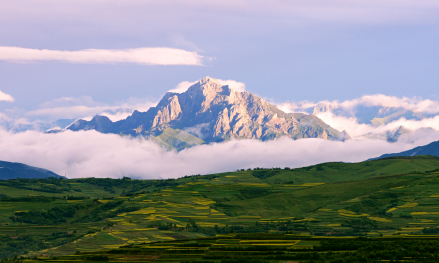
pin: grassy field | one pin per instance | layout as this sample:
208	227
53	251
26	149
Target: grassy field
390	199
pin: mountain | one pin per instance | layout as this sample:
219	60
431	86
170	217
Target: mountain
40	126
429	149
10	170
376	111
213	112
375	115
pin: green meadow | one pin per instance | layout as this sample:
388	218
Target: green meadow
330	211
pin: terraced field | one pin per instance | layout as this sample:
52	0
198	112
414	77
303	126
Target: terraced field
389	199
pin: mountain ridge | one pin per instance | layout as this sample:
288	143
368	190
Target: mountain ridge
219	113
429	149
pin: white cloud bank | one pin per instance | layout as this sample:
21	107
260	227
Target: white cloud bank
89	153
142	56
85	107
6	97
414	104
185	85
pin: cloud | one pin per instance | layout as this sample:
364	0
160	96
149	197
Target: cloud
142	56
182	87
344	115
235	85
185	85
198	13
360	131
413	104
6	97
85	107
89	153
198	130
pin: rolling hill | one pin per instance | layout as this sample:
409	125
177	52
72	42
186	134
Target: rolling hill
429	149
386	200
10	170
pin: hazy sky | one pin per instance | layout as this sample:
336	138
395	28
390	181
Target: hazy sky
77	58
115	50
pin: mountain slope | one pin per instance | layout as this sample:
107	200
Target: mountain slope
10	170
214	112
429	149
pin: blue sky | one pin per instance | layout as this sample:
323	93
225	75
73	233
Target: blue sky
77	58
281	50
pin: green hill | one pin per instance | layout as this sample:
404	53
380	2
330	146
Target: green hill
10	170
429	149
384	199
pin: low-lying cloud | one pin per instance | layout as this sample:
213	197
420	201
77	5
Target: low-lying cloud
85	107
414	104
6	97
142	56
89	153
344	115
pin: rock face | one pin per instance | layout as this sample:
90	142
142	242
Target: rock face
215	112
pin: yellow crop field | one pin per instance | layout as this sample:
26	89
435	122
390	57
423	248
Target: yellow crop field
208	224
424	213
202	217
348	213
255	184
391	209
412	228
202	207
379	219
270	241
73	201
144	211
202	201
329	225
271	244
111	246
162	237
125	223
103	201
408	205
151	217
312	184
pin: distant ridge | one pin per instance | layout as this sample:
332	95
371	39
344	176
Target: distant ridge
429	149
212	112
10	170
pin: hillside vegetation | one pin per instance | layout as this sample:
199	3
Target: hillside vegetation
384	200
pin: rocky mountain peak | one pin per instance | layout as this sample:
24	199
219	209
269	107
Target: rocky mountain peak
212	111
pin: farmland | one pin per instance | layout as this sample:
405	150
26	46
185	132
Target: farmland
288	214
